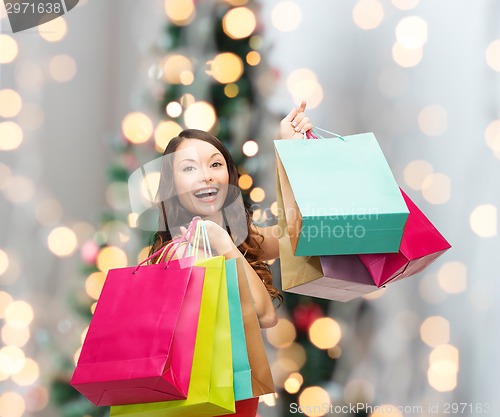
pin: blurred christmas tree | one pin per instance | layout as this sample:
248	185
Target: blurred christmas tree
210	74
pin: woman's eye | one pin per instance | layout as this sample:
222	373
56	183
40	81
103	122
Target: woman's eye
188	168
217	164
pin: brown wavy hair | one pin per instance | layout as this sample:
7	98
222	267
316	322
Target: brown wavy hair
170	207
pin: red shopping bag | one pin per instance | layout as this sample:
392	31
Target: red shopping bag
140	343
421	245
245	408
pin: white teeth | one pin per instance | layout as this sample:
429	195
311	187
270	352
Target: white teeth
206	192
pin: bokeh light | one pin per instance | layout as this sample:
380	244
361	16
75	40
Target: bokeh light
493	55
443	353
174	109
54	30
286	16
303	84
226	67
19	190
435	331
325	333
245	181
175	68
416	172
4	265
12	136
484	220
11	404
12	359
62	241
200	115
442	376
433	120
492	135
368	14
111	257
13	336
406	57
452	277
29	373
294	355
436	188
18	314
250	148
164	132
281	335
8	49
231	90
10	103
94	284
239	23
37	397
405	4
253	58
257	194
293	383
180	12
137	127
412	32
62	68
312	399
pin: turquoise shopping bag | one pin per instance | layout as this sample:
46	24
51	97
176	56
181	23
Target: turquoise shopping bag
241	366
339	196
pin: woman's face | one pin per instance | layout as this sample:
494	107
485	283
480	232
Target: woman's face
200	177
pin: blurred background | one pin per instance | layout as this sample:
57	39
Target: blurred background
89	97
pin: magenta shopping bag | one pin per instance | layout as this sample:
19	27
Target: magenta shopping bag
140	344
421	245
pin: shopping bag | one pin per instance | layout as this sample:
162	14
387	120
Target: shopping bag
421	245
335	277
262	379
245	408
339	196
211	386
158	307
241	366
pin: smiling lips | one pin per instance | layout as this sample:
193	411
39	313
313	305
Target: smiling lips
207	194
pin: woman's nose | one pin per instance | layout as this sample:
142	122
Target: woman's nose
206	176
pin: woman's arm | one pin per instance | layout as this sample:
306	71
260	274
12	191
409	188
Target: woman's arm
270	244
263	303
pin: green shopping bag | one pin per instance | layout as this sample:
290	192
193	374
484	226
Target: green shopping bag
211	387
339	196
241	365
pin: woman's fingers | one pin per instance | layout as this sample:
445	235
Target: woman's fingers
295	111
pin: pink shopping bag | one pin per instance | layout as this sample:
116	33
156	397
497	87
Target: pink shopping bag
140	344
421	245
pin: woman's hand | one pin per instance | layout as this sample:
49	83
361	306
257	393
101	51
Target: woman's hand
295	124
219	239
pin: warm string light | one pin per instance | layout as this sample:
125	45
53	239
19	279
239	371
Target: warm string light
368	14
303	84
8	49
286	16
137	127
54	30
